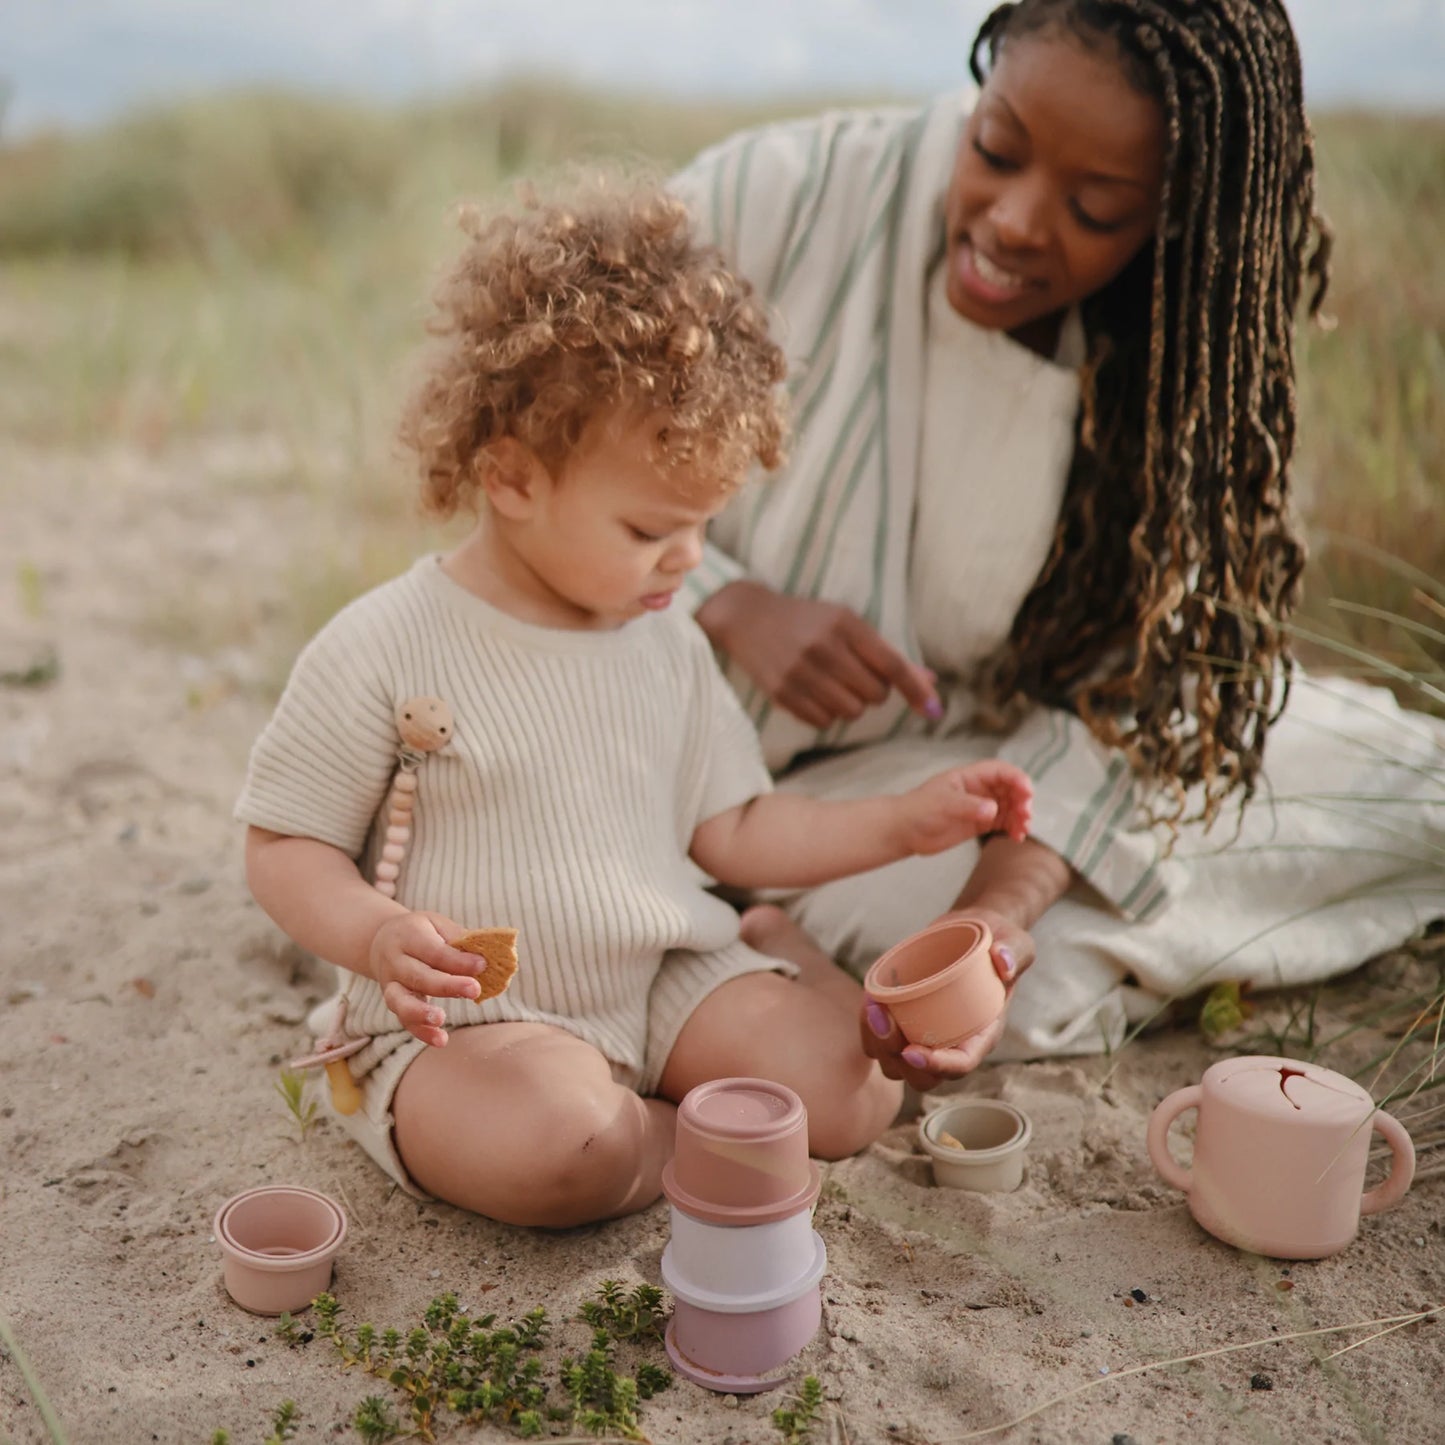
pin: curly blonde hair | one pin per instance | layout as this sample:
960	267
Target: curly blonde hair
562	311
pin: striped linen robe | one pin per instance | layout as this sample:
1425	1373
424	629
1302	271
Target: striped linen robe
838	222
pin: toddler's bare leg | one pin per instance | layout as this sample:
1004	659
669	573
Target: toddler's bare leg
524	1123
765	1026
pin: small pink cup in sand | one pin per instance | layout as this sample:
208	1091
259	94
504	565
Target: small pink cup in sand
278	1244
939	984
742	1154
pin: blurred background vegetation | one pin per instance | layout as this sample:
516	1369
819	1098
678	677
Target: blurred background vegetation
258	266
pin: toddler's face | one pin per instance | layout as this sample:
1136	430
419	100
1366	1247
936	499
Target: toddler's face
614	534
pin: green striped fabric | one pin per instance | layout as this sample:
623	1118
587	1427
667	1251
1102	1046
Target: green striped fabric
838	221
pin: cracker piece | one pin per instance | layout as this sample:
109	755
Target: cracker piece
498	946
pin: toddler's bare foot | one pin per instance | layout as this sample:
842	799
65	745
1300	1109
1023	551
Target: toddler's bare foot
768	929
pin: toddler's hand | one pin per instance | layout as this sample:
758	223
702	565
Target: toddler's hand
964	802
414	964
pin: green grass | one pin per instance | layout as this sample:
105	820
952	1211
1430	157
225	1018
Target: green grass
1372	391
260	265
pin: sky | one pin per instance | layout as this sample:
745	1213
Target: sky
81	62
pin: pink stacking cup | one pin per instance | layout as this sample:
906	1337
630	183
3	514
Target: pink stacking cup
739	1344
939	984
278	1243
742	1154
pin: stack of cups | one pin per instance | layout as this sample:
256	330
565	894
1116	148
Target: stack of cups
744	1262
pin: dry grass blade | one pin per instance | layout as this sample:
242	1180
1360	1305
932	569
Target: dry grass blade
1392	1321
32	1383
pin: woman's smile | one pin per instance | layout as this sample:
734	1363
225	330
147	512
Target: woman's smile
985	279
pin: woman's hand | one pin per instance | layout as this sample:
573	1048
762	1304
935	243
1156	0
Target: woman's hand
413	963
1012	953
819	660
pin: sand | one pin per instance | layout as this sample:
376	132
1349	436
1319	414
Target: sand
146	1006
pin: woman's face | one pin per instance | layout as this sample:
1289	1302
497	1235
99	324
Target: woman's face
1056	187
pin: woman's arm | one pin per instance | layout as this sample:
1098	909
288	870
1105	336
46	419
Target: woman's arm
316	894
1017	881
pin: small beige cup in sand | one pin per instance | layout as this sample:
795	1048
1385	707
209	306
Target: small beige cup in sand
977	1144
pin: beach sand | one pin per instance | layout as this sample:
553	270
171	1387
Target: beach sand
147	1006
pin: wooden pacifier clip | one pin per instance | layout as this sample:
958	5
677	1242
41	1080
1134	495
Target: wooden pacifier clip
425	726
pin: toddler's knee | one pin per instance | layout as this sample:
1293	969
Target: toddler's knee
845	1121
582	1171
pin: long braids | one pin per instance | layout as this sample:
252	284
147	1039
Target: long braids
1159	614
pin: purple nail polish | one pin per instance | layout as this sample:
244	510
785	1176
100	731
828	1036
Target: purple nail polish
933	708
914	1058
878	1020
1010	964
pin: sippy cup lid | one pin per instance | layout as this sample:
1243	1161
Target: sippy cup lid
1289	1088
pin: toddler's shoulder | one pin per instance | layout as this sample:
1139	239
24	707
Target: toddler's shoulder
385	608
677	633
363	645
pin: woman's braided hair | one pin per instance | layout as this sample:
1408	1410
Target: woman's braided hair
1159	615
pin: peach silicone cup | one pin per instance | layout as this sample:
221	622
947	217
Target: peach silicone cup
939	984
739	1344
743	1260
278	1243
742	1154
1280	1152
994	1135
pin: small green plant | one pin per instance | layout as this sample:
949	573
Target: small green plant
374	1421
289	1330
283	1426
603	1401
1224	1009
450	1361
479	1372
797	1418
292	1088
638	1315
283	1423
40	670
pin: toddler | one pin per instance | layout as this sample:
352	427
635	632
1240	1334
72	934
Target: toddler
602	384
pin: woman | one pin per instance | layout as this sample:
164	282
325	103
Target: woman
1044	401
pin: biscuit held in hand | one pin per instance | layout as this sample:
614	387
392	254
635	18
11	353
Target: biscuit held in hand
498	946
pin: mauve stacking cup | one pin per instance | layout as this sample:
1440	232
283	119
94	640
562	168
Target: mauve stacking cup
743	1263
742	1154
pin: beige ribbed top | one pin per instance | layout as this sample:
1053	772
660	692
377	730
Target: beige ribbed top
580	766
998	433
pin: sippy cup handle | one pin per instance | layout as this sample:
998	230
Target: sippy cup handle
1165	1113
1402	1167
